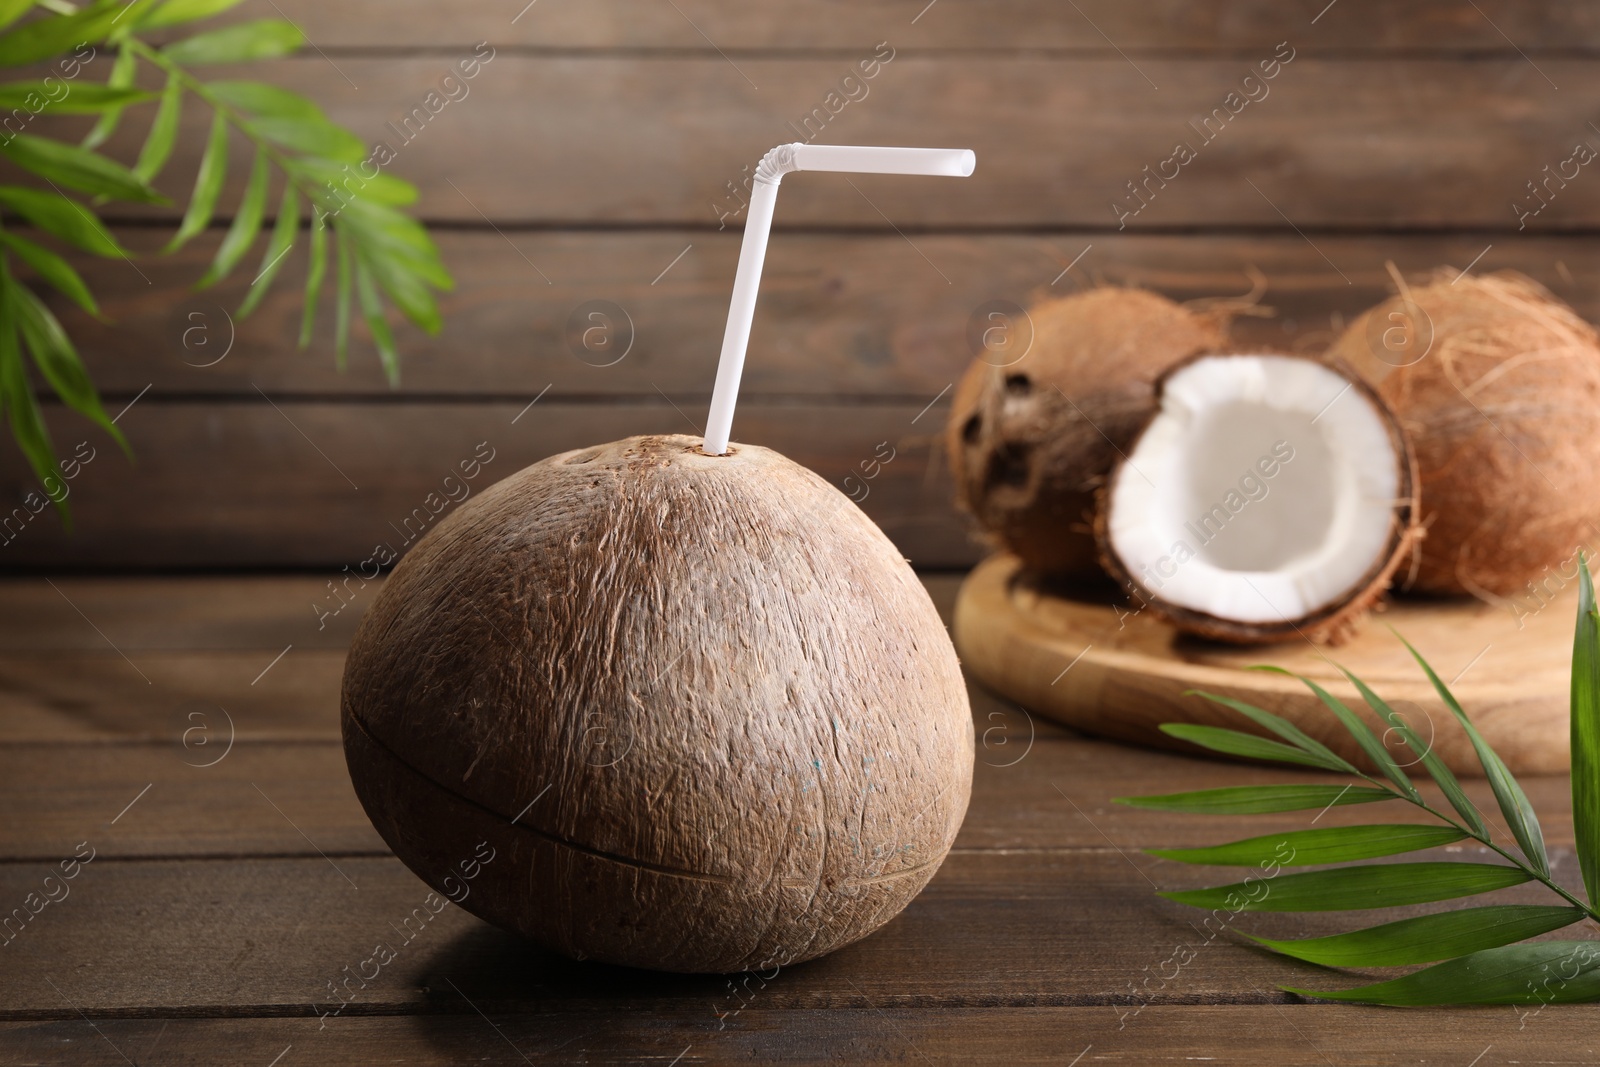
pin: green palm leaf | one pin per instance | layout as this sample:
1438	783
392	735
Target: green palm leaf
408	291
378	188
1259	799
53	269
77	168
1329	844
121	77
47	38
174	12
262	39
22	410
397	237
284	232
246	224
1540	972
1514	806
316	269
342	295
58	361
1428	937
63	217
266	101
372	311
1356	888
1250	746
1280	726
384	256
1442	775
1363	735
12	10
163	135
207	185
312	136
1586	734
86	99
1480	954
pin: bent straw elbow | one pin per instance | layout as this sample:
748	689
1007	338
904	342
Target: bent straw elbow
786	159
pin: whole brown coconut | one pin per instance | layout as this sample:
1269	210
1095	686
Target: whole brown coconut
697	710
1498	386
1031	441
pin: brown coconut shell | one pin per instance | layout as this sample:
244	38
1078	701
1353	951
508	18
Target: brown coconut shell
1499	390
1334	624
698	707
1030	443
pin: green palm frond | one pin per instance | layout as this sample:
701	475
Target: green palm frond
325	177
1475	955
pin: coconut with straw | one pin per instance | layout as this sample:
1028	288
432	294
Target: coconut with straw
674	704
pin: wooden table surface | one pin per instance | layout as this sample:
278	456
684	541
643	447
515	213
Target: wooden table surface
183	732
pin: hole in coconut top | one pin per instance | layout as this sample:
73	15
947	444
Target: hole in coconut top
1256	486
1018	384
970	428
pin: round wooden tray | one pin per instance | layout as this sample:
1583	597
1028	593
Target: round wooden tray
1111	671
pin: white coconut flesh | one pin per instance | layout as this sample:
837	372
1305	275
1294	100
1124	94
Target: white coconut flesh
1263	491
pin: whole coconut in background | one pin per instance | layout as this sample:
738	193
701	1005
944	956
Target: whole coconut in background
697	709
1497	383
1031	442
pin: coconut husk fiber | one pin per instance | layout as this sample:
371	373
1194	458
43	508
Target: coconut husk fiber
1497	383
1030	443
698	708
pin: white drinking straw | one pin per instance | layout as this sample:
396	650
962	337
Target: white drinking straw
951	162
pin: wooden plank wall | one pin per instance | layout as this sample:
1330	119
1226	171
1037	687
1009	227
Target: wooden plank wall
590	160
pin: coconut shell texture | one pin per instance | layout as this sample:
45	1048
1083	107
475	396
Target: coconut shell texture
1498	385
699	708
1031	443
1334	624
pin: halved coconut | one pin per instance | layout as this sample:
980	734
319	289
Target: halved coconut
1270	498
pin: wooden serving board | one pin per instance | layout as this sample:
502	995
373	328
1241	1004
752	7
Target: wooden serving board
1108	670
